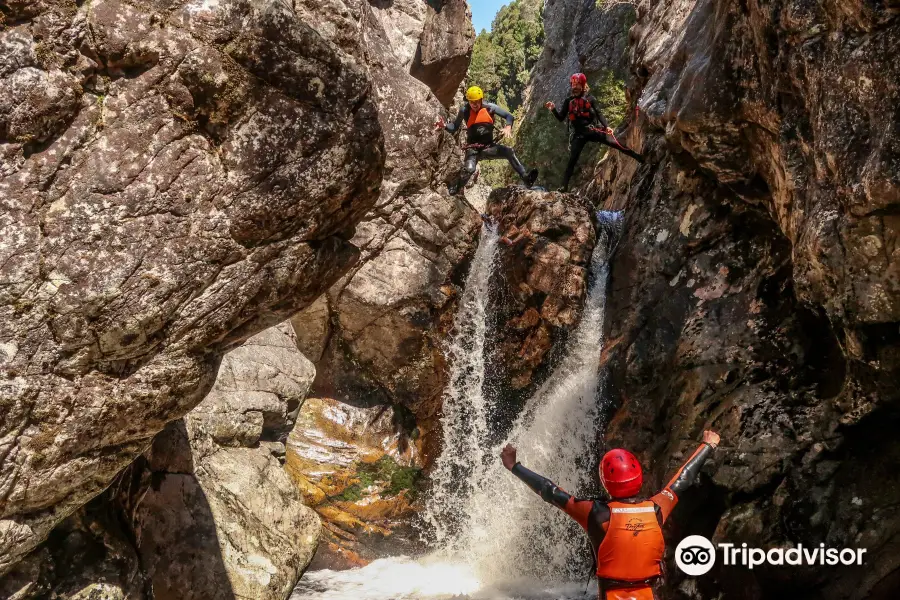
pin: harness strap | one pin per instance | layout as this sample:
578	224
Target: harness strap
612	135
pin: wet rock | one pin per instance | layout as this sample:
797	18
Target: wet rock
358	469
753	290
175	178
547	242
381	322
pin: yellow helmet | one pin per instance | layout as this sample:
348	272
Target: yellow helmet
474	93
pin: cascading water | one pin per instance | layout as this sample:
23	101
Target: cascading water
504	528
466	408
493	537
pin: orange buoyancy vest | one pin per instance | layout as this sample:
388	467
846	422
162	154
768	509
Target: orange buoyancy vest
633	547
482	117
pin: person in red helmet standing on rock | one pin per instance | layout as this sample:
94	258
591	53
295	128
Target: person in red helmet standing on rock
626	532
586	124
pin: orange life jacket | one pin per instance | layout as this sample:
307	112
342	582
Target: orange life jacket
637	593
482	117
633	547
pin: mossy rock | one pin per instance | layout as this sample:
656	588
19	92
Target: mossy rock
384	473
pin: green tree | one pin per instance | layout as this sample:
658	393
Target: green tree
503	57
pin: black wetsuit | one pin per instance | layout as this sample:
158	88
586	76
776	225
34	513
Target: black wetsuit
594	516
584	115
480	144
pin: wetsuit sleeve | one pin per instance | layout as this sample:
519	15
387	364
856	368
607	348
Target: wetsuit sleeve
502	113
683	479
561	112
551	493
452	127
595	108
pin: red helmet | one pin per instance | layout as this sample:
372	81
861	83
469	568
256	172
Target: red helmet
621	473
579	78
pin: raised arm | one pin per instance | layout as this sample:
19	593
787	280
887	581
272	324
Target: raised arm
547	490
561	112
502	113
685	476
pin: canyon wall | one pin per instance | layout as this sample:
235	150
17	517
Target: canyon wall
176	176
756	290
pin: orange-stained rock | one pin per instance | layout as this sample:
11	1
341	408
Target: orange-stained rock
346	461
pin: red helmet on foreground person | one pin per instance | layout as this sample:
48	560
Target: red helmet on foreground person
579	78
621	473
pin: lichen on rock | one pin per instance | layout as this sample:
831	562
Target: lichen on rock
174	179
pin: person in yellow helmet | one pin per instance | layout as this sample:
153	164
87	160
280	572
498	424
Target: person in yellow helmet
480	144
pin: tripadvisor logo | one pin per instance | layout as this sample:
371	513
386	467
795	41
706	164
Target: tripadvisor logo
696	555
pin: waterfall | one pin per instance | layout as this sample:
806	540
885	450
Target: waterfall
492	536
466	408
501	527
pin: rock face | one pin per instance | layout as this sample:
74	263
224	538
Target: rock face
430	40
756	289
358	469
176	176
445	48
88	556
579	36
544	270
213	512
375	340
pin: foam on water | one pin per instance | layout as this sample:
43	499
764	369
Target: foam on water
493	538
401	578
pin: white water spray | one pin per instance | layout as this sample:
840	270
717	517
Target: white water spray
466	408
491	531
503	529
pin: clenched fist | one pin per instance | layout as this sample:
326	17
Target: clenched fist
709	437
508	456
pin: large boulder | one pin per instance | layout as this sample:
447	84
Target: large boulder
175	177
543	275
377	330
442	58
432	41
214	513
756	289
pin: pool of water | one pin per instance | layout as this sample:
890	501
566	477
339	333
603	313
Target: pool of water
405	579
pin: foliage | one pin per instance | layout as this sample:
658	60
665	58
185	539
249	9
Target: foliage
610	93
501	65
543	142
502	58
384	473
